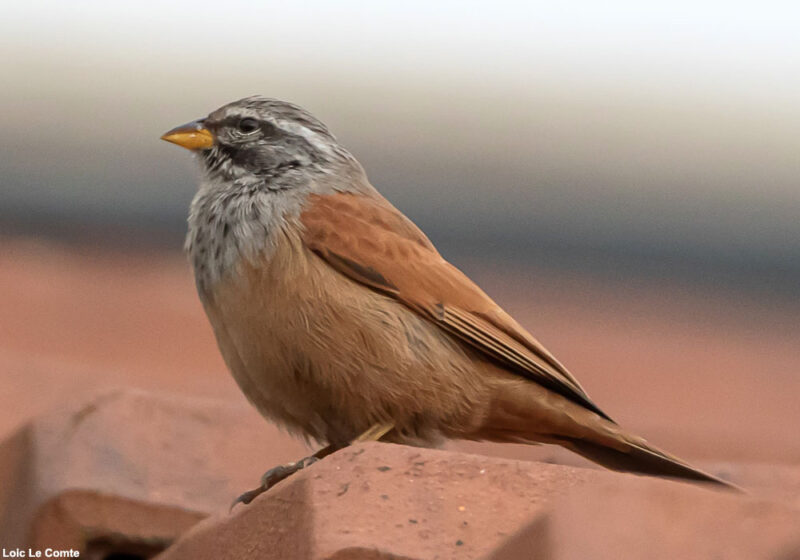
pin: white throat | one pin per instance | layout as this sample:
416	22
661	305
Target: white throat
231	221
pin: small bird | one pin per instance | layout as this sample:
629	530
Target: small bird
340	320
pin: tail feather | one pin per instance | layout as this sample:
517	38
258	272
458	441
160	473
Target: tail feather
639	457
527	412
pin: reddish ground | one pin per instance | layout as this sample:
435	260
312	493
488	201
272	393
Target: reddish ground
710	376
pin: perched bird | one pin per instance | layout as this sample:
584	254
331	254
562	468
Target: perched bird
340	321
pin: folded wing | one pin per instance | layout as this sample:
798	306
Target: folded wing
368	240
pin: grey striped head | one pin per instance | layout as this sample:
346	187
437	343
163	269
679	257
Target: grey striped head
262	140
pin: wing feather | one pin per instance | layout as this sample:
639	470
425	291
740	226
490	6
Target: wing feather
368	240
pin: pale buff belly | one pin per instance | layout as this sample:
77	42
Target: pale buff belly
328	358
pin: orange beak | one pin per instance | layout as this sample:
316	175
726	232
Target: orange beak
192	136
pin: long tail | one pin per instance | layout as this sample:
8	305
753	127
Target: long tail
525	412
642	458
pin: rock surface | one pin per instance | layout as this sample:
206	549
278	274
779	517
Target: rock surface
634	517
136	474
384	501
377	500
127	463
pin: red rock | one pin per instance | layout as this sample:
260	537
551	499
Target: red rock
620	516
97	525
378	500
129	465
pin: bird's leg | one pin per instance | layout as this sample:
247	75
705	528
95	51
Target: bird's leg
375	433
276	474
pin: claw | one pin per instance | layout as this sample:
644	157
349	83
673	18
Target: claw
246	497
271	478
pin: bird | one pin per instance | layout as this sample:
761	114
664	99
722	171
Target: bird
341	322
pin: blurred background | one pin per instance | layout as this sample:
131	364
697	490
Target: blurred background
621	176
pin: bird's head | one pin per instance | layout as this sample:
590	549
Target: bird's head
258	140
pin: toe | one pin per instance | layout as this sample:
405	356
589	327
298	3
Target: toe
273	477
247	497
276	474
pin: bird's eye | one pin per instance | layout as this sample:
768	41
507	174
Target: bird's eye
248	125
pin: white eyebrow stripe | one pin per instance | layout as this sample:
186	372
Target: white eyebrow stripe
319	141
314	138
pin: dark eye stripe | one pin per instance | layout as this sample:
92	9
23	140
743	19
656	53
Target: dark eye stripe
233	122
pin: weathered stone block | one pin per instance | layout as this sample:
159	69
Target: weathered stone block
380	501
128	469
619	516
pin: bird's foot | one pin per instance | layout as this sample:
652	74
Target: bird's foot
273	477
276	474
